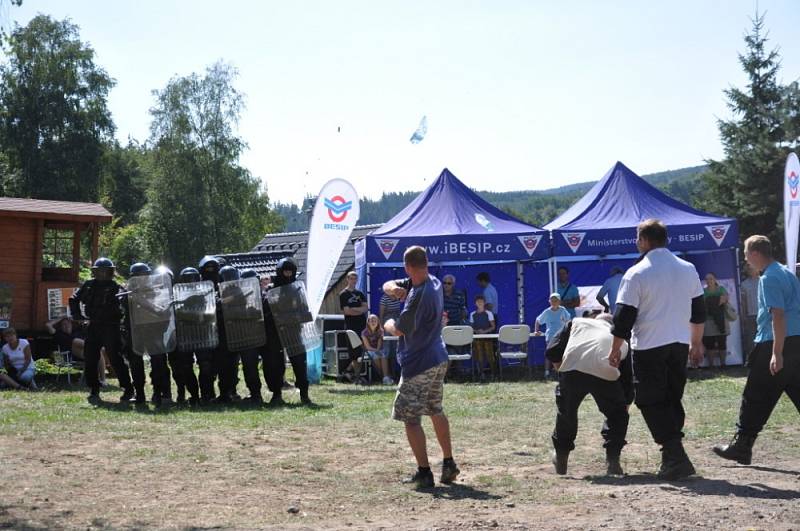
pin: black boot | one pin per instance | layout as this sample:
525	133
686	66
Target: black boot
614	468
127	395
740	449
304	398
560	460
675	464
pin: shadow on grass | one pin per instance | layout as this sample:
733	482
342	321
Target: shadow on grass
149	409
458	491
363	390
767	469
701	486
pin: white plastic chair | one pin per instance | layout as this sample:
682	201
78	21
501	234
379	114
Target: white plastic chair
515	336
62	360
366	361
459	336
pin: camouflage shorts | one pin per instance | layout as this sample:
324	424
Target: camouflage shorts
420	395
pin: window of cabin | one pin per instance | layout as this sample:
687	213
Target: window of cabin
57	253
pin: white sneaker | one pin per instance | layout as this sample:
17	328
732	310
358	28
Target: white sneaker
387	381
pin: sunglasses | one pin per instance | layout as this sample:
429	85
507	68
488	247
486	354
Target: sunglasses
448	283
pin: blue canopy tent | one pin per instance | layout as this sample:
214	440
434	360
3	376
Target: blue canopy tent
464	235
599	232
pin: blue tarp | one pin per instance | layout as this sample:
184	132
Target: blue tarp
455	225
603	222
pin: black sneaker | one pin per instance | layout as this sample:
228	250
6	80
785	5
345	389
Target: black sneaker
276	401
305	399
94	397
614	468
253	400
450	472
420	479
127	395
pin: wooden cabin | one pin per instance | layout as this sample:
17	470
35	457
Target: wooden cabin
44	244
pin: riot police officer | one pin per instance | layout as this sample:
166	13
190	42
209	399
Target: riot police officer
159	375
99	297
250	358
182	359
275	366
225	361
209	270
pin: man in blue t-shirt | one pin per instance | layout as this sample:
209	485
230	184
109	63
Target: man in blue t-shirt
774	363
609	289
423	364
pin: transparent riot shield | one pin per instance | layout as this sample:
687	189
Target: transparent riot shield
196	316
152	316
242	313
289	307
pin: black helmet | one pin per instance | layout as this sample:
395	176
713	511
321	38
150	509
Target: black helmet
228	273
248	273
140	269
208	262
103	262
286	263
103	269
162	269
190	274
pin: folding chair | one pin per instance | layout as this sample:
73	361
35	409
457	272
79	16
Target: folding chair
515	336
459	336
364	359
62	360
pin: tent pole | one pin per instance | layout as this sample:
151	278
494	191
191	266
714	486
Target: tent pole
520	294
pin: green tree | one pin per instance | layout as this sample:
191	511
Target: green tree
747	184
54	120
124	181
200	200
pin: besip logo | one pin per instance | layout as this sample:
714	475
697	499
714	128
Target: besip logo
793	180
718	232
530	242
386	246
574	240
337	208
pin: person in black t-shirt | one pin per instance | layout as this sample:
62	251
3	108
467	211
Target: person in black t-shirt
354	307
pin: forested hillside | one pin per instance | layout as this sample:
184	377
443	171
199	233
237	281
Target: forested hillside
534	206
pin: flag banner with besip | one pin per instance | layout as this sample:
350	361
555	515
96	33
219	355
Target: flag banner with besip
791	208
335	214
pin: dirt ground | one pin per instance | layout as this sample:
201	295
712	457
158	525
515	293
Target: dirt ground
115	468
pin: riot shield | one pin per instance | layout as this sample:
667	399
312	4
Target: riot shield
289	307
196	316
152	317
242	313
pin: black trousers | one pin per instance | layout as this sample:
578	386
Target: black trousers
205	361
573	386
182	364
160	376
226	365
275	367
108	336
763	390
252	379
659	377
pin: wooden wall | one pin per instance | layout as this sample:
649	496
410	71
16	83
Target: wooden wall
18	266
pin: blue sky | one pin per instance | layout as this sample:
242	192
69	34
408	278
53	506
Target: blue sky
518	95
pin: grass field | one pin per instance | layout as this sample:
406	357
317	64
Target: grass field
66	464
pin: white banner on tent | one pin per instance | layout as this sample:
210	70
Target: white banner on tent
791	208
335	214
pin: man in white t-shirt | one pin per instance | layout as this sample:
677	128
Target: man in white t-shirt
660	308
580	353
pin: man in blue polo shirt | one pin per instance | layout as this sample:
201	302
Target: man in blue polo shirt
774	363
423	364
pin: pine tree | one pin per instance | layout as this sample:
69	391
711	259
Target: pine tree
748	183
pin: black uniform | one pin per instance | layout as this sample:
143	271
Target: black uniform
274	364
99	297
159	370
612	399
